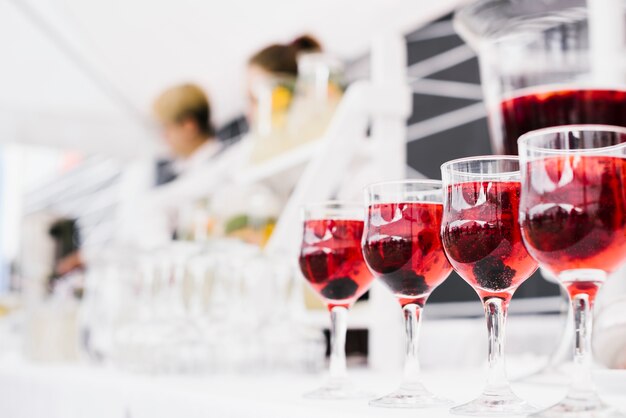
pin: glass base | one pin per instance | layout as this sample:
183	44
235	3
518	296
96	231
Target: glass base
342	389
580	407
410	396
495	404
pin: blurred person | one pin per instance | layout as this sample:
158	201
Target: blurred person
281	60
276	60
183	113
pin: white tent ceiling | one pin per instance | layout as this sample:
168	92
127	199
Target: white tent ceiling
82	73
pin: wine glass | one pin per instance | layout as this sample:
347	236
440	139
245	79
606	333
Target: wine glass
482	239
332	262
402	247
573	219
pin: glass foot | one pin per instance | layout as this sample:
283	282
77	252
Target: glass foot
580	407
410	396
495	404
338	390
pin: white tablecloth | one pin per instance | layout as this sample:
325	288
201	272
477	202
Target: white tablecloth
81	391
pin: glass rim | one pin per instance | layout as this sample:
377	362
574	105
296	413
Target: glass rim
447	166
524	139
424	187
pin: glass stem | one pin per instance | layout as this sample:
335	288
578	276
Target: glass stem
495	312
412	321
564	349
581	306
338	329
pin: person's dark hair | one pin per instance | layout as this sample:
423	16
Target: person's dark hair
283	58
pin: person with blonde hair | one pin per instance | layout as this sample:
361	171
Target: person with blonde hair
184	113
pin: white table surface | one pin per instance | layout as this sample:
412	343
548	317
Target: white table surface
67	391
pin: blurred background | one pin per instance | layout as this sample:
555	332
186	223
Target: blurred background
154	156
80	138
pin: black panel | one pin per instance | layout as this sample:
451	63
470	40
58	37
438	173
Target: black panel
466	71
357	342
447	17
427	154
454	289
537	285
427	48
426	106
233	129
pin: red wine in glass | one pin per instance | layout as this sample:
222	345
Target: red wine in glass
574	214
525	113
573	219
332	262
403	248
482	237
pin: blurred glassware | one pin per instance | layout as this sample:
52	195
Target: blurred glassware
543	63
10	302
51	330
256	323
187	307
319	89
11	330
194	221
291	112
159	334
273	96
247	213
105	300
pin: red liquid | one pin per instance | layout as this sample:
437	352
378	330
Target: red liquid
332	262
482	238
403	248
574	212
553	108
587	287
